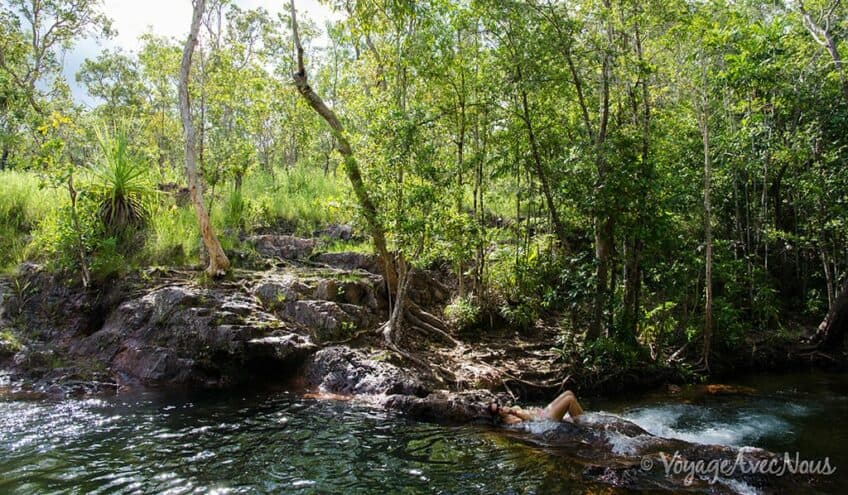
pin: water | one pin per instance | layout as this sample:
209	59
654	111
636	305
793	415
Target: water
273	441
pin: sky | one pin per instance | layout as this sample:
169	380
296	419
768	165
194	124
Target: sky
132	18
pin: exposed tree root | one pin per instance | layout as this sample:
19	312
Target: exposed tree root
426	328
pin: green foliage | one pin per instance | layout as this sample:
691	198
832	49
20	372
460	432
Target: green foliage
58	243
658	322
120	183
610	354
299	199
9	343
556	170
463	312
173	237
23	202
234	210
526	281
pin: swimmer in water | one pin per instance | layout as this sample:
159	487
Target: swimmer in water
555	411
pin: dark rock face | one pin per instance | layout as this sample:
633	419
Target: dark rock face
441	406
188	335
343	370
282	246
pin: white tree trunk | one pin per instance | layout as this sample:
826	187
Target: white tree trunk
218	262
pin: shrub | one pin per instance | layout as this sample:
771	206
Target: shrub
463	312
526	281
120	183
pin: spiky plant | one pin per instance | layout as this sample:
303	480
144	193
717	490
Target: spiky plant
121	182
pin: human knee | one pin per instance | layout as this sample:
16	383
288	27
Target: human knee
568	393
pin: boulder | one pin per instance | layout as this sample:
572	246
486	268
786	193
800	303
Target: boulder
615	451
275	290
284	348
342	232
193	336
343	370
352	261
285	247
327	320
442	406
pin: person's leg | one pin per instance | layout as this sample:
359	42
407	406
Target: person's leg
565	403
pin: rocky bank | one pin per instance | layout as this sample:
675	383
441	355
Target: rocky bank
308	318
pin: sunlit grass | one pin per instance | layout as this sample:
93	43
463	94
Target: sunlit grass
304	199
23	203
300	200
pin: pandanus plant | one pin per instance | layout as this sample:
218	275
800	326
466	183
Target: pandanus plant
120	183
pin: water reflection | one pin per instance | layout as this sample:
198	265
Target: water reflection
275	442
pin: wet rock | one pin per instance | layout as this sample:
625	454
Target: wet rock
343	370
282	246
462	407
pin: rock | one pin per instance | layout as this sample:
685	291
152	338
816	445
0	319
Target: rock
612	448
275	290
194	336
280	347
461	407
352	261
153	365
282	246
180	193
327	320
365	291
329	305
336	232
343	370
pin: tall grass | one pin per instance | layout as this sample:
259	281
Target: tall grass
301	198
23	203
173	237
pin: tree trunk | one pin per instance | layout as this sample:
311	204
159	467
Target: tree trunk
708	232
369	209
603	220
832	330
824	37
4	159
603	253
633	282
559	229
218	262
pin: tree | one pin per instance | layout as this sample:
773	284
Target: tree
113	77
219	264
50	26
